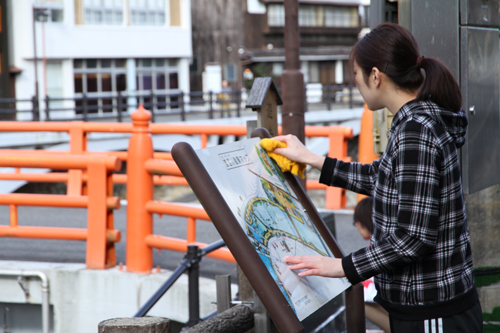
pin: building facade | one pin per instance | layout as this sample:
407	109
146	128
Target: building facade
246	38
98	49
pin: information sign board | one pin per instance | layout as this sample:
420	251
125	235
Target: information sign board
264	215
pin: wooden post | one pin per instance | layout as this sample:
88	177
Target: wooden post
264	99
237	319
135	325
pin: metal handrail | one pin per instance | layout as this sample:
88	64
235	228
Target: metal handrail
190	262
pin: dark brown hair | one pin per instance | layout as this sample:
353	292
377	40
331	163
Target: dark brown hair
363	213
394	51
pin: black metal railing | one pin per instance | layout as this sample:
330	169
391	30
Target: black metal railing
189	263
117	106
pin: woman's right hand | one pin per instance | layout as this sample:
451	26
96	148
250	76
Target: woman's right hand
296	151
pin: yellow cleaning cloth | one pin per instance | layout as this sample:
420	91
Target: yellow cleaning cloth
284	163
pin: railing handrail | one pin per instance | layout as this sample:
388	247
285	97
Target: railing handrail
156	128
63	161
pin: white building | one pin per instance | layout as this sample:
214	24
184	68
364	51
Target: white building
97	48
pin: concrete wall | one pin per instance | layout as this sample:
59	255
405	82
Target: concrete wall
81	298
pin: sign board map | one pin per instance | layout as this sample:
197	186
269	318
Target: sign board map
273	219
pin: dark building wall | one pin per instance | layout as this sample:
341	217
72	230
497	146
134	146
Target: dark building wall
216	36
4	51
254	25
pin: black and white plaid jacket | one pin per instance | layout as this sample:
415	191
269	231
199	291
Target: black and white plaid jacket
420	250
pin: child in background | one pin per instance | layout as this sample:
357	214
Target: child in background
363	222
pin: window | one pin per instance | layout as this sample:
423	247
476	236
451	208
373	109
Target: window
342	17
155	74
276	16
99	81
140	12
311	16
230	72
147	12
316	16
314	71
55	83
194	67
158	79
49	10
364	12
105	12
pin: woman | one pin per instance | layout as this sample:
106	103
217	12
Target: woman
420	250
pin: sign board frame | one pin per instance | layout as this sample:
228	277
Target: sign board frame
237	241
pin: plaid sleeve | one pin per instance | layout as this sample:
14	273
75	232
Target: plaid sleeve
415	180
356	177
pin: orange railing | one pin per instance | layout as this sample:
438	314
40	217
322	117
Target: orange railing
338	136
146	168
99	234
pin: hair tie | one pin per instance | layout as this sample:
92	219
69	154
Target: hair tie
419	61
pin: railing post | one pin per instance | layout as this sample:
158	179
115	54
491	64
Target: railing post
329	97
100	254
85	107
194	285
350	98
47	107
152	106
139	256
211	107
77	145
181	106
337	149
119	106
238	103
34	108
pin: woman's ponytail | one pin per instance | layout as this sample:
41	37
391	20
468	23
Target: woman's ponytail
439	85
394	51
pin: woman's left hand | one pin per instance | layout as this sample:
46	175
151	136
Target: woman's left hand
316	265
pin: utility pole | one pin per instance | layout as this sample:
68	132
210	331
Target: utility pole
292	79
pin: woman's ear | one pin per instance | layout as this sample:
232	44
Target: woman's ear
376	77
